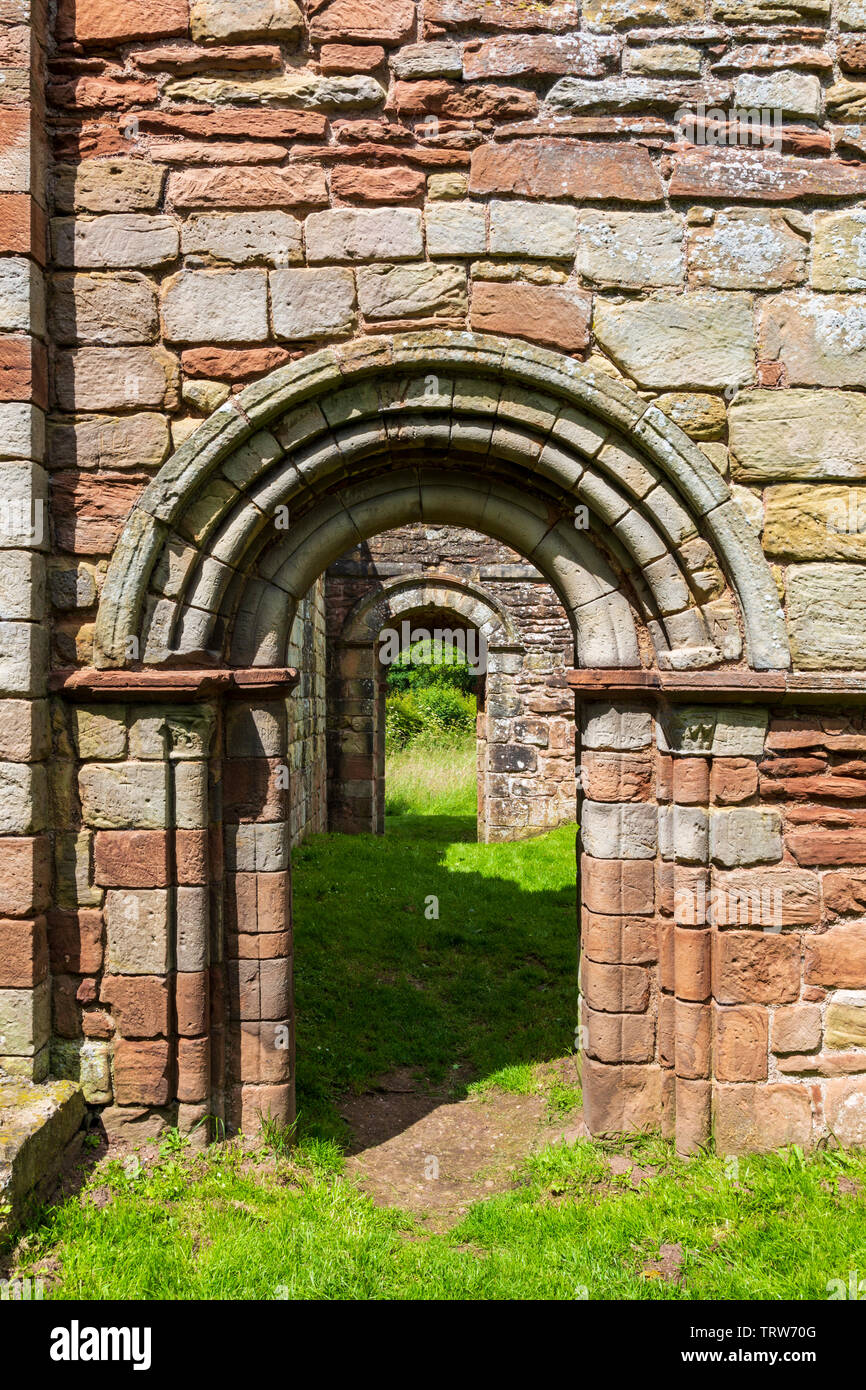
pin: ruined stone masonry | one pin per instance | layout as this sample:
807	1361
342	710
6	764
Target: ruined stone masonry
279	278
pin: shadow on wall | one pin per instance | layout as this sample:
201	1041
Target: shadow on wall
488	983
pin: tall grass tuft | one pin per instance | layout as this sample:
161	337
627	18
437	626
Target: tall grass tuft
432	778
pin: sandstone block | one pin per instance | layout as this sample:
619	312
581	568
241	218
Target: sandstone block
137	930
798	434
796	1028
130	858
846	1021
103	309
312	303
554	315
349	234
94	378
220	306
141	1073
412	291
740	1051
821	340
442	59
297	185
240	237
566	169
815	522
836	959
108	185
245	19
839	250
610	830
547	231
752	1118
755	968
745	835
796	94
397	184
300	87
123	795
104	22
747	249
387	22
630	250
456	229
826	615
845	1109
22	296
139	1004
110	441
694	341
117	241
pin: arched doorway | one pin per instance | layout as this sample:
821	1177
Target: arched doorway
663	581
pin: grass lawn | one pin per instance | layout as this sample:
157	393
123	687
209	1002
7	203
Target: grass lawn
477	997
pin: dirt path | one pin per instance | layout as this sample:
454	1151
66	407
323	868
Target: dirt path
435	1157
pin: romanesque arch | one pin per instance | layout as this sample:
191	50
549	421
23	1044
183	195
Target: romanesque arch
677	623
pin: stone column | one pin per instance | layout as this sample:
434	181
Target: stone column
24	726
356	729
622	1075
258	933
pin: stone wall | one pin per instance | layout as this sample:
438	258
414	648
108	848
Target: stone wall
218	191
308	713
526	732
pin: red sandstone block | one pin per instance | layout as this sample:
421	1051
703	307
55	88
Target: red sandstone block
664	777
131	858
140	1004
186	58
667	1031
265	125
756	968
619	1037
387	22
616	776
193	1069
255	789
763	175
23	228
23	370
258	946
23	953
693	964
192	857
65	1014
75	941
233	364
457	102
89	511
297	185
837	958
249	1105
762	1118
733	780
741	1044
619	940
566	169
621	1098
844	891
835	846
191	1003
615	988
666	935
691	781
96	1023
361	185
141	1072
693	1114
555	15
101	94
257	903
112	21
693	1039
258	1054
25	875
618	887
549	314
348	59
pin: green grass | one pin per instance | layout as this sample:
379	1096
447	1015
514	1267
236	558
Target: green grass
234	1225
479	996
490	984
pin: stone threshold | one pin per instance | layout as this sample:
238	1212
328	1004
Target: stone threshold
176	685
752	687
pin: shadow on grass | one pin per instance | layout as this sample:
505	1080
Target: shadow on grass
383	983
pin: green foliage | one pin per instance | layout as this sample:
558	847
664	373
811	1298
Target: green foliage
428	663
429	714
